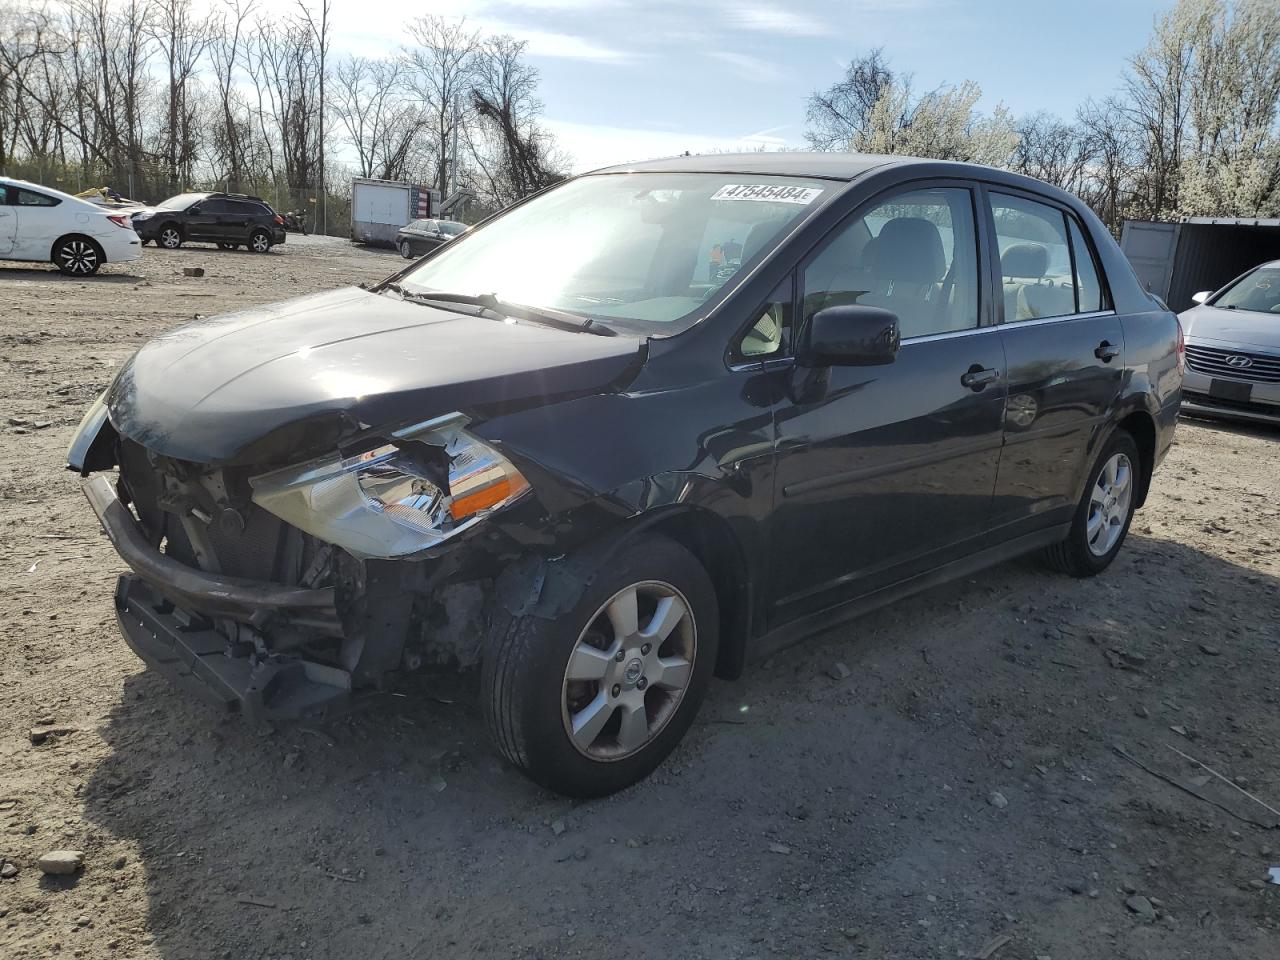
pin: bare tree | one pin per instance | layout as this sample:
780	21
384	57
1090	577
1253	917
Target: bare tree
439	71
383	127
504	98
837	115
182	35
944	124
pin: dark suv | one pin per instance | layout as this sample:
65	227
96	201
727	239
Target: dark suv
637	430
230	220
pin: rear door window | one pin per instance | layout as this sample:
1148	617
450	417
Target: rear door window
1035	259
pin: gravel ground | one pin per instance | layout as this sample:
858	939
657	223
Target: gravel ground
963	792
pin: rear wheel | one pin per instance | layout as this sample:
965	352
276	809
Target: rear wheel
170	237
592	701
77	256
1102	518
260	241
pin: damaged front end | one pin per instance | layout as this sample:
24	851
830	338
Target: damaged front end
277	593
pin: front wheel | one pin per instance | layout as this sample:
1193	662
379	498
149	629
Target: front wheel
260	241
592	701
1104	513
405	250
77	257
170	238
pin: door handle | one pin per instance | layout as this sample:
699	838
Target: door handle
978	377
1106	351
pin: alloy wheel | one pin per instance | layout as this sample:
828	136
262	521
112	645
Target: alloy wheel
1109	505
404	250
170	239
629	670
261	243
78	256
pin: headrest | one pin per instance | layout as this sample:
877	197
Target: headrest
1029	260
910	249
759	234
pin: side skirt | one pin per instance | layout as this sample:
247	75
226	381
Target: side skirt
806	626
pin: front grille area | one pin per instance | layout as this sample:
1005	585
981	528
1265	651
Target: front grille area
1260	368
256	546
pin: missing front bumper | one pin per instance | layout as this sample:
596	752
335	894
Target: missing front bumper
200	660
167	612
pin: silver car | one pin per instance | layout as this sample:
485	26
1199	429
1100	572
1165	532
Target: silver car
1233	349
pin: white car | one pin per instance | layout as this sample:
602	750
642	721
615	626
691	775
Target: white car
48	226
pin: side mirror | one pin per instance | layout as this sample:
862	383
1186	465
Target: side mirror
1202	296
850	336
193	210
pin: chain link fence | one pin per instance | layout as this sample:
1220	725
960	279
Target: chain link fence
151	183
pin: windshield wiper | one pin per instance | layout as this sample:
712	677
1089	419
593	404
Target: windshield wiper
490	301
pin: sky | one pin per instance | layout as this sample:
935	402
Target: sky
625	80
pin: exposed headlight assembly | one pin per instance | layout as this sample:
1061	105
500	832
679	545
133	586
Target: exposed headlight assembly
430	483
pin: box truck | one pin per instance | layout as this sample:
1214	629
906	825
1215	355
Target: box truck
379	208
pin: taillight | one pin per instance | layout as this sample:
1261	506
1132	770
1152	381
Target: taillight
120	220
279	220
1182	351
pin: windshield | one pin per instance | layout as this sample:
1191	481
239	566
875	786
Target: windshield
181	201
1258	291
641	251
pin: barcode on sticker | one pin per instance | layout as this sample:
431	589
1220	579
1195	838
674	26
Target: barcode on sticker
767	193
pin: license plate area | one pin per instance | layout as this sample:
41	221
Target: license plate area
1231	390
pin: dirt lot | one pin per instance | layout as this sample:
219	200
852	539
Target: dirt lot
961	786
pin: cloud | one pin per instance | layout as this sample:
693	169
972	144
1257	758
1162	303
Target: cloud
747	66
544	43
773	19
593	146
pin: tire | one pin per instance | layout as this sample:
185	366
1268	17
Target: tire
169	237
532	705
77	256
1102	519
228	246
406	251
260	241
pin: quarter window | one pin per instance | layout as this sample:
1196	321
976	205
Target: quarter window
29	198
914	254
1088	286
1035	259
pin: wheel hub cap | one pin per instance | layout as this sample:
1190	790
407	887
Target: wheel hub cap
1109	505
628	671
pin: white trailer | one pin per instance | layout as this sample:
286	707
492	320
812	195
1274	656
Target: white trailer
379	208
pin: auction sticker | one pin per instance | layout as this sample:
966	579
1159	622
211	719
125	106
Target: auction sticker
767	193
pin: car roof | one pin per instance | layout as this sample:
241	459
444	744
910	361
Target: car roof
797	163
41	188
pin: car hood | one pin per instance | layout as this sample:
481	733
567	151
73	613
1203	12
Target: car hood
1241	328
280	382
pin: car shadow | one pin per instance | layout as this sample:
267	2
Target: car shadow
1243	428
808	811
45	274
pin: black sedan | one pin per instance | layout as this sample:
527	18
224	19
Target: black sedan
635	431
423	236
